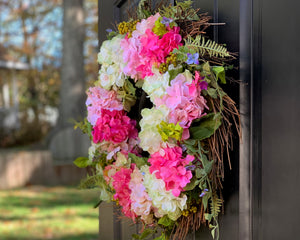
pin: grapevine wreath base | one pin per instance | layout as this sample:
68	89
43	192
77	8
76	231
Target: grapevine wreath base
160	122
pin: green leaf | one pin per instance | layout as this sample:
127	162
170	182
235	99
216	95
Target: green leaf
82	162
128	102
213	231
161	237
139	83
220	73
190	145
85	127
207	165
147	232
129	88
98	204
208	216
182	10
212	92
111	35
174	72
139	161
165	221
127	93
206	68
181	53
135	236
199	173
207	126
192	184
190	142
202	184
205	199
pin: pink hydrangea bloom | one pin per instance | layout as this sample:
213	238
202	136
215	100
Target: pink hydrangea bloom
169	166
145	24
121	181
145	49
130	146
114	126
98	99
185	103
131	48
141	202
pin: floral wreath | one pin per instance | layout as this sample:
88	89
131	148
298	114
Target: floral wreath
159	121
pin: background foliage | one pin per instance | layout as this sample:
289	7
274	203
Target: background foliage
31	32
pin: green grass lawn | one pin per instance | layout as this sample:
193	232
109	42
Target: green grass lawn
48	213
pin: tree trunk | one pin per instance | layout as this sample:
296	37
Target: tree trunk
72	91
66	144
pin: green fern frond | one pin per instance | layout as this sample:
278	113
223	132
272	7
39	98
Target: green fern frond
216	205
209	47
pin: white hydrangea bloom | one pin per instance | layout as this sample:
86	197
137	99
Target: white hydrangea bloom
110	75
150	139
165	202
155	86
111	60
122	160
110	51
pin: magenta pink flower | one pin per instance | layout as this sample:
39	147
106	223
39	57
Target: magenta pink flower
170	167
197	85
114	126
121	180
170	40
150	53
98	99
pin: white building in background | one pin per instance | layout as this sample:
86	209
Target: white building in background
9	100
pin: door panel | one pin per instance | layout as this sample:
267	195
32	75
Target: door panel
280	121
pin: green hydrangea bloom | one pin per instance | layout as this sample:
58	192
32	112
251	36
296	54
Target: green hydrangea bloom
159	28
170	130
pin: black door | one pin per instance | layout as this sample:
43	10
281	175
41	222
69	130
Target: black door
261	191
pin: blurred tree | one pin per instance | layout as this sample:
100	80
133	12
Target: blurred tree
32	32
72	71
28	29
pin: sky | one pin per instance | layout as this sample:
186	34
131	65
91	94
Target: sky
49	36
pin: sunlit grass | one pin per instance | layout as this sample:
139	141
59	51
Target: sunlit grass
48	213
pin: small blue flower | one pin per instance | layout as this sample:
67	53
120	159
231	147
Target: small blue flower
192	58
108	30
143	173
191	167
183	147
204	192
166	21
